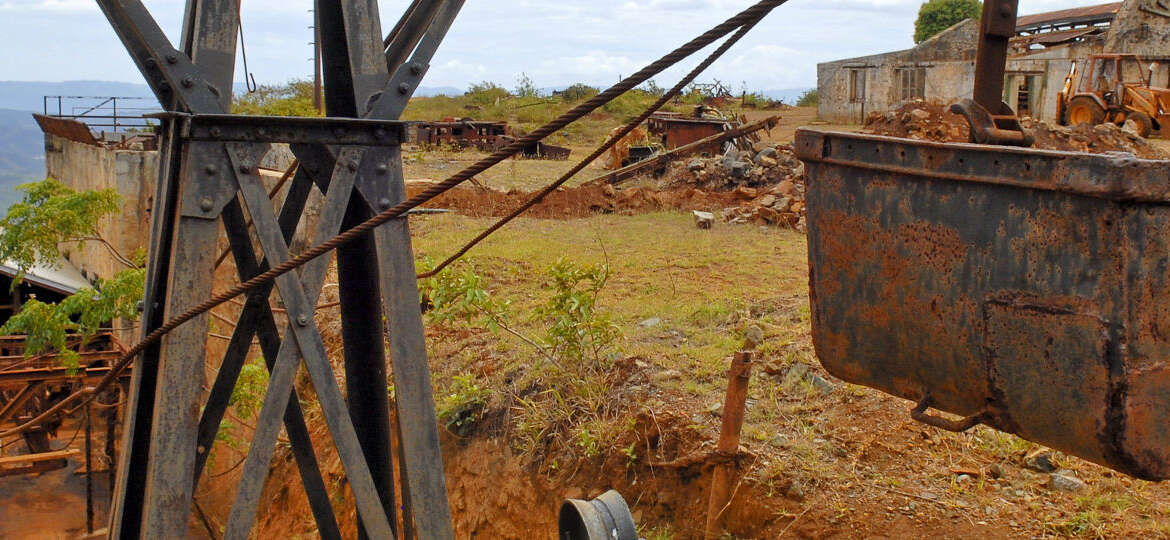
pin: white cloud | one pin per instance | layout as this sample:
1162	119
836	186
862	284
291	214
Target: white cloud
555	42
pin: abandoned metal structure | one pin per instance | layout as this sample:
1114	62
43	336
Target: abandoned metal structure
1042	49
209	174
1020	288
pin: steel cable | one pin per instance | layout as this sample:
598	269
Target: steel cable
749	15
614	139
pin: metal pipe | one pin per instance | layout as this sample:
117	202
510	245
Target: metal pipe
734	407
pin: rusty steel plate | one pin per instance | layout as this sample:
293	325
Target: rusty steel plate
1026	289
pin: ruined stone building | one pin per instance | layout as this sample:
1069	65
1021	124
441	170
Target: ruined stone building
80	161
943	68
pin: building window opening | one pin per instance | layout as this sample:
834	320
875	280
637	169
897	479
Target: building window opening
856	85
911	83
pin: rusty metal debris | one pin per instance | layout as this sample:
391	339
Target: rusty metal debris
709	144
1025	287
734	408
992	121
485	136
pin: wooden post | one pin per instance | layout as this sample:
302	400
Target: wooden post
734	407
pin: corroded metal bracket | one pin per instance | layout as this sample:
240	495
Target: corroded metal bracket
987	128
991	120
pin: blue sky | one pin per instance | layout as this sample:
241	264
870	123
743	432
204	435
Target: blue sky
555	42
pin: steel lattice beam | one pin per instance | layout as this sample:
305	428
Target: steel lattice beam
208	174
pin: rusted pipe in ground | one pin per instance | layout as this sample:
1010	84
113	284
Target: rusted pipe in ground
734	407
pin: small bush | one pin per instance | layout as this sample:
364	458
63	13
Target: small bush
461	406
486	93
579	92
810	98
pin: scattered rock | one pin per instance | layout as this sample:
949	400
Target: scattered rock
962	479
715	409
795	491
995	471
650	323
753	336
666	376
695	165
795	374
1065	482
821	384
1040	460
704	220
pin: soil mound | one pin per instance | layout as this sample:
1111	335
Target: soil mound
934	122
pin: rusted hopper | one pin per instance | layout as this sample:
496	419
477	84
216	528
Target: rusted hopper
1028	290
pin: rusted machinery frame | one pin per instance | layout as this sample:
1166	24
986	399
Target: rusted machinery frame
653	162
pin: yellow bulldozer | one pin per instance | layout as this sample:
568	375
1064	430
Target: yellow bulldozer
1116	88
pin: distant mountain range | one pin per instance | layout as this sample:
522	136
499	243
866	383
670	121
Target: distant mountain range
30	96
22	153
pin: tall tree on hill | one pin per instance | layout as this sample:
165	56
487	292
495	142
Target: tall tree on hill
937	15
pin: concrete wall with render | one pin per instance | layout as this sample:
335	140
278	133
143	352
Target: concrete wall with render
950	75
1138	29
132	173
948	59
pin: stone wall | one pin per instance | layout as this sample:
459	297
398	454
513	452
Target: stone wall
1142	27
948	60
132	173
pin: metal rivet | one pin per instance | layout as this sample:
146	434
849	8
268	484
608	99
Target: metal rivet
187	82
380	133
201	449
381	168
211	169
149	63
339	131
404	88
206	204
352	166
244	169
302	320
172	59
261	132
384	203
416	68
215	132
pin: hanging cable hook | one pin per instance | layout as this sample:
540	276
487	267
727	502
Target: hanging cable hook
249	79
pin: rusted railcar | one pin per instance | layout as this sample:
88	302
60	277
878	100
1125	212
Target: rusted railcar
1026	289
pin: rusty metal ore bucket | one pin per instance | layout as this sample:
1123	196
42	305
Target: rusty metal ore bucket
1026	289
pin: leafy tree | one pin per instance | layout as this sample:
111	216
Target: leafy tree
294	98
486	93
525	87
810	98
579	92
937	15
48	216
653	89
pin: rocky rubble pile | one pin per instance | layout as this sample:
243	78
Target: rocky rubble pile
767	183
934	122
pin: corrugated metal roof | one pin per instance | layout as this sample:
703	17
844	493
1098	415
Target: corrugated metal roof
64	278
1084	14
1054	38
64	127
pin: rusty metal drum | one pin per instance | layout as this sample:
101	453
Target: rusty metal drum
1026	289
